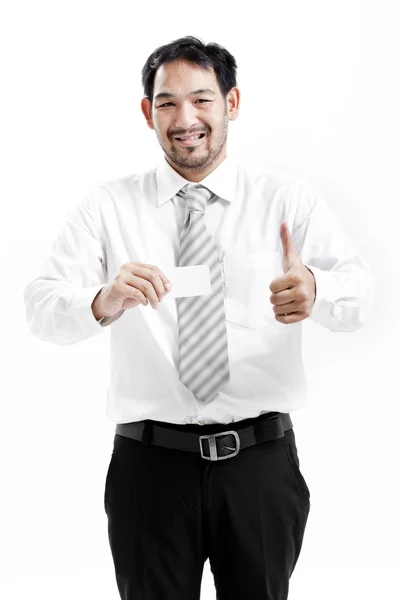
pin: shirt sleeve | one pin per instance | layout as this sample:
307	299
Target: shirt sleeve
59	301
345	286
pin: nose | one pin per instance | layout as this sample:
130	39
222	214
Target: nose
186	117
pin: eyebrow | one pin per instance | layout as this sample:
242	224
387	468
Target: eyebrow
194	93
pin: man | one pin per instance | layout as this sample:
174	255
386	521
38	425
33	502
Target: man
206	272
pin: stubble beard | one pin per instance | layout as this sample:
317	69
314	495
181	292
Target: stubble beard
187	157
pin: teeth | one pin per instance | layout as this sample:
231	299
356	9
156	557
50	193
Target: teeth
193	137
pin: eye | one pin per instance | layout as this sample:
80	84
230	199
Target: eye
199	100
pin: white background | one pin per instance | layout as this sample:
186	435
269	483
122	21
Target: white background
320	98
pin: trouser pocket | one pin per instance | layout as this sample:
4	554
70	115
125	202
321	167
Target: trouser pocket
107	484
295	465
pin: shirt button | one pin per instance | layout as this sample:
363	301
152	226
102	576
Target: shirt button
201	422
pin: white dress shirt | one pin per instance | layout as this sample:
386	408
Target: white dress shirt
138	218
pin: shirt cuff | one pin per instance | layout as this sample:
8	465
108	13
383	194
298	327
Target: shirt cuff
104	321
82	303
325	286
84	299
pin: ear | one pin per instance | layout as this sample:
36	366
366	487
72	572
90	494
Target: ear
233	103
145	105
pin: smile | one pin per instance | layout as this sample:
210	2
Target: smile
192	141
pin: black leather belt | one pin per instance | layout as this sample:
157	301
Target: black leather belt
225	443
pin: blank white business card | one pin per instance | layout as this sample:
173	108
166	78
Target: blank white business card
193	280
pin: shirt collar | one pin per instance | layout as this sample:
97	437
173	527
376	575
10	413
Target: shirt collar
221	181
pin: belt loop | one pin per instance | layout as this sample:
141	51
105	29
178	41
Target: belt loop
147	431
259	431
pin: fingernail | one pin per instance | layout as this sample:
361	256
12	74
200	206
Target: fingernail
168	286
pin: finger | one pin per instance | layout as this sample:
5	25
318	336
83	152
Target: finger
135	295
286	309
290	318
151	274
163	277
154	278
141	283
131	293
285	239
284	282
282	297
290	253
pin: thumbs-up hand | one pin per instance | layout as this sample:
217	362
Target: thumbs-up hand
293	294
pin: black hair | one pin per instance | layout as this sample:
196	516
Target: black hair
194	50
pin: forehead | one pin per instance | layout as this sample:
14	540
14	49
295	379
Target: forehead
182	77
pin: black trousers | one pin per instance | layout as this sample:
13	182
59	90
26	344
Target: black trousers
169	510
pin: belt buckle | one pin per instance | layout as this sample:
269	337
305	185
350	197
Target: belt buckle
213	446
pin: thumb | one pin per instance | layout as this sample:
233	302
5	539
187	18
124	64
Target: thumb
290	254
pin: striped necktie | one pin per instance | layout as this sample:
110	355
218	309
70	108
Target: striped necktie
203	344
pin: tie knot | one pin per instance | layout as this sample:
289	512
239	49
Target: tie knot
196	196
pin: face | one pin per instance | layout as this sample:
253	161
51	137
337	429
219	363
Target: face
180	110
